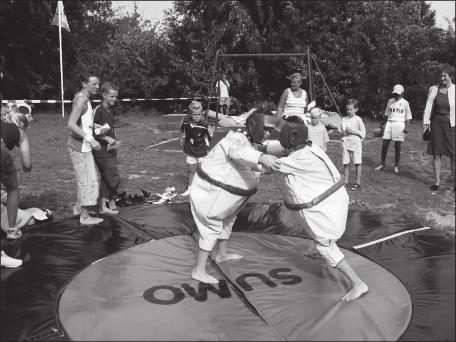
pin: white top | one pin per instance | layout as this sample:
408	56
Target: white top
308	173
233	161
295	105
430	103
87	124
352	142
398	110
318	135
223	88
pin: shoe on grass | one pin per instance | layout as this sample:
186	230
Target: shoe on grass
355	187
435	187
380	167
396	169
7	261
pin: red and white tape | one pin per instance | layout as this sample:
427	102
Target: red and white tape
98	100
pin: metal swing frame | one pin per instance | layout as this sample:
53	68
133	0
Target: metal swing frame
310	58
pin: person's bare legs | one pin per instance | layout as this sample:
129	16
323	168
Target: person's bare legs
199	271
452	171
112	204
346	172
358	173
191	173
103	209
358	287
437	164
12	205
222	252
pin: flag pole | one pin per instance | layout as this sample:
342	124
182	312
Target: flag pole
59	4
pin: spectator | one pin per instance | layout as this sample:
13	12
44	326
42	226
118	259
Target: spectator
399	115
352	127
11	136
106	156
317	132
438	118
195	137
223	88
80	145
293	100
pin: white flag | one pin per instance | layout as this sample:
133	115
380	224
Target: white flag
63	18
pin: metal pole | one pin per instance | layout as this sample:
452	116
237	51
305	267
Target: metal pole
326	85
1	80
212	85
309	74
59	4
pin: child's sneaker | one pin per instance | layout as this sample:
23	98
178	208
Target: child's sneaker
7	261
355	187
186	193
380	167
396	169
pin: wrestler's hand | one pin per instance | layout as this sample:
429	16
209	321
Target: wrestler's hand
270	162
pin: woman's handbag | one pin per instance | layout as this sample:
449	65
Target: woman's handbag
426	134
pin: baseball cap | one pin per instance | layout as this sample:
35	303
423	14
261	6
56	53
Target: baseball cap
398	89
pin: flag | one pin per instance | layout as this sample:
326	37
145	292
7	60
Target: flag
63	18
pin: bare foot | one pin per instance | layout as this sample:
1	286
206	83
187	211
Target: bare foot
109	211
228	256
355	292
204	277
90	220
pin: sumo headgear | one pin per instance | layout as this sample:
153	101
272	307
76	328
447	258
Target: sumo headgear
293	133
255	125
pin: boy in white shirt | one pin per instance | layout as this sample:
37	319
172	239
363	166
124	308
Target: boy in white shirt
223	86
399	115
352	127
317	131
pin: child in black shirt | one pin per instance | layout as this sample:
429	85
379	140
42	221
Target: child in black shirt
195	137
106	157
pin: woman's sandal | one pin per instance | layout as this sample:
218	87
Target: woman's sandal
435	187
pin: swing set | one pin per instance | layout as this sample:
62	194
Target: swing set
216	71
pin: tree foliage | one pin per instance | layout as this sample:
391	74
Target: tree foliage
362	48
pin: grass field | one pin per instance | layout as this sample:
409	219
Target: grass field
51	183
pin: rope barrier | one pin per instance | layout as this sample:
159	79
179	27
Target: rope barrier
98	100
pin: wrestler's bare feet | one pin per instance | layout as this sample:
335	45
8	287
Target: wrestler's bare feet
355	292
227	256
204	277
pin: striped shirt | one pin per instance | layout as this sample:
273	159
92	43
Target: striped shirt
295	105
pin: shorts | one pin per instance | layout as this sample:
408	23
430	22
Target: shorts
394	130
224	101
192	160
355	157
7	161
